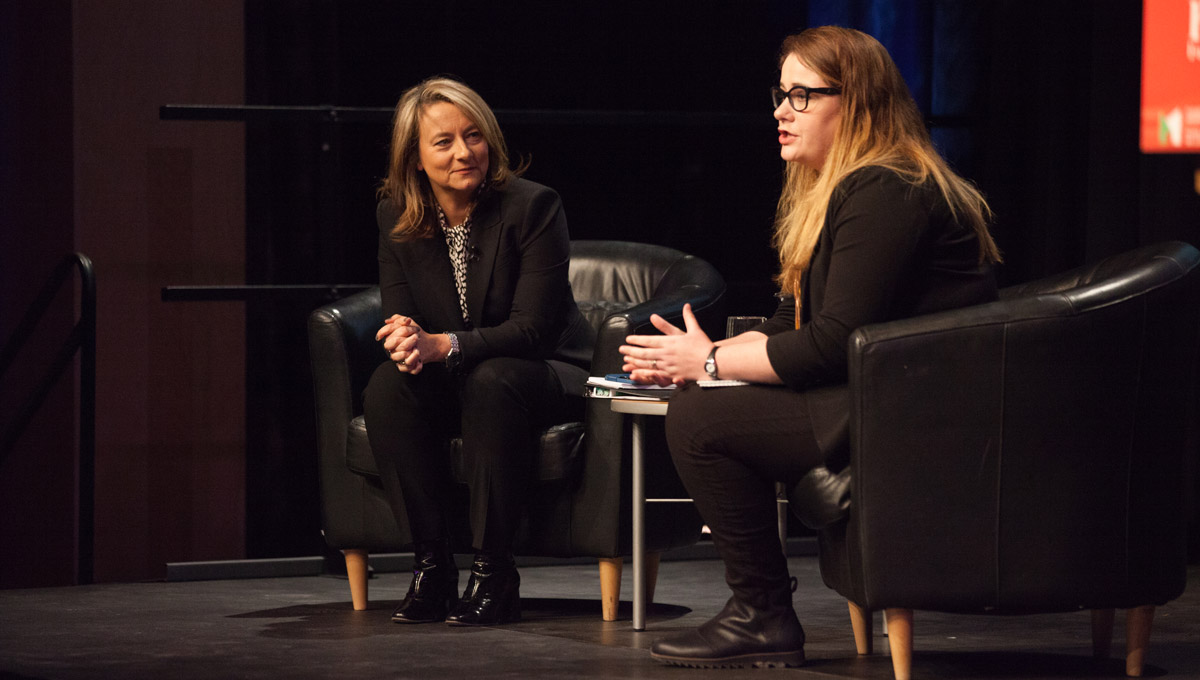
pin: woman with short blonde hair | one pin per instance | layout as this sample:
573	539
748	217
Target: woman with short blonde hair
484	343
409	188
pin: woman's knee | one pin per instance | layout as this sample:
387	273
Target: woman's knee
387	390
691	409
501	380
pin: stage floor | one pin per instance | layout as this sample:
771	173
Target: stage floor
304	627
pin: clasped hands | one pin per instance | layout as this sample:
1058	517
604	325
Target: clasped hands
409	346
676	356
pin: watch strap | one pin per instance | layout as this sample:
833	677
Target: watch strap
454	356
710	364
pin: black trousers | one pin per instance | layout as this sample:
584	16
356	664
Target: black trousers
498	408
730	445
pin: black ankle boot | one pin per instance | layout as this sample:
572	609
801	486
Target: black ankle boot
434	587
741	635
492	595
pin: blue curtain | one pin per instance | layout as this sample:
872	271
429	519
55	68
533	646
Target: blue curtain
903	26
935	44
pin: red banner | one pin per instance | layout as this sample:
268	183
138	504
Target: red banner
1170	76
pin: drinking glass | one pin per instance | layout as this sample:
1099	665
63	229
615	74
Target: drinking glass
735	325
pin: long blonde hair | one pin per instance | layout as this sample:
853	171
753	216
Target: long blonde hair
880	125
407	187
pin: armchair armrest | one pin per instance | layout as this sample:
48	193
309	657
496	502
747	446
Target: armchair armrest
1046	401
925	430
343	353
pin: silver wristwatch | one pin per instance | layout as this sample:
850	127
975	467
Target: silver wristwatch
454	356
710	364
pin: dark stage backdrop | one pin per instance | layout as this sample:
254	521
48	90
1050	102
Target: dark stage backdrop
650	119
652	122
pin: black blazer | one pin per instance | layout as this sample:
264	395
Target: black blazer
888	250
518	293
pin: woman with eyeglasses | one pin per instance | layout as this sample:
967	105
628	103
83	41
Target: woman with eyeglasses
872	225
484	342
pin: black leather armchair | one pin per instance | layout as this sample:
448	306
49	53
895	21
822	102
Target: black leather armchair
1028	455
581	505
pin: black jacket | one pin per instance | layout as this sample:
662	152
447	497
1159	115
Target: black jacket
888	250
518	293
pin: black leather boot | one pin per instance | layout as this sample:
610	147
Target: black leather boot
741	635
434	587
492	595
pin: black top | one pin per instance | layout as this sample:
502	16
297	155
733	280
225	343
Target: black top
888	250
518	293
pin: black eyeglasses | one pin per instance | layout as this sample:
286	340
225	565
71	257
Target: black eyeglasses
798	96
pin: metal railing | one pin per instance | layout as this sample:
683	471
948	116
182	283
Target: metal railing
82	339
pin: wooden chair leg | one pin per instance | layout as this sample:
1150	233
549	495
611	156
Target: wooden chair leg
356	570
610	586
899	623
1137	638
651	575
860	621
1102	628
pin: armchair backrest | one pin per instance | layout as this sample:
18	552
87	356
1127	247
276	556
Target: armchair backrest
618	284
612	276
1029	454
1161	263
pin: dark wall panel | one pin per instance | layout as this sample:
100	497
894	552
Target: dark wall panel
37	478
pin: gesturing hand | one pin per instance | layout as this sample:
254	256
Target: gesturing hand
674	357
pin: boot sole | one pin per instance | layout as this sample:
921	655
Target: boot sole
509	613
500	620
401	619
773	660
433	619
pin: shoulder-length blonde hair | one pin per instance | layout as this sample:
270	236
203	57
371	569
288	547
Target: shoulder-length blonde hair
880	125
408	188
